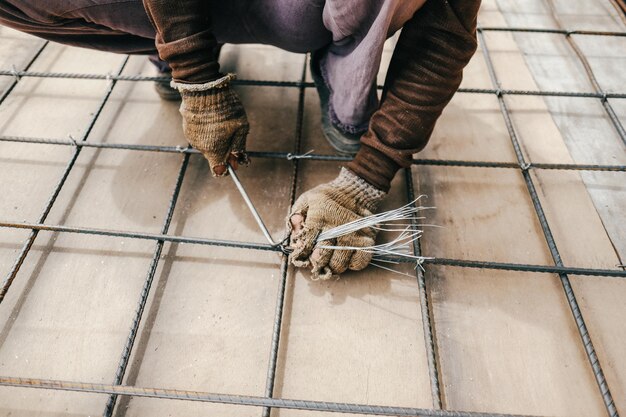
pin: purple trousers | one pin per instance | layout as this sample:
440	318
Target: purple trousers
351	34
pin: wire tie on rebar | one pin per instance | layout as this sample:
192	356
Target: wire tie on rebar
286	250
15	73
499	92
72	140
526	166
568	33
284	245
181	149
306	155
604	96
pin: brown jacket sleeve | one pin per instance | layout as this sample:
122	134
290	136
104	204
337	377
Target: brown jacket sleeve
184	38
425	71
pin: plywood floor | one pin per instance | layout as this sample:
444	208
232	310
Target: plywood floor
506	342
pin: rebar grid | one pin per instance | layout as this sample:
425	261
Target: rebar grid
57	189
207	397
145	291
427	320
284	267
554	252
310	155
267	402
592	78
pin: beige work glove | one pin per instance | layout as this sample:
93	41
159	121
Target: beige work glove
345	199
215	122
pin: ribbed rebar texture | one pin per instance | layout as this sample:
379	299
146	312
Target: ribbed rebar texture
462	263
6	284
145	290
284	267
173	394
543	221
268	402
427	319
311	155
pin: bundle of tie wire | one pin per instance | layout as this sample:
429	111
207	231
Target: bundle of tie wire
404	220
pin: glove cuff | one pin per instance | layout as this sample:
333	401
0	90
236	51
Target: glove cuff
215	100
365	194
208	86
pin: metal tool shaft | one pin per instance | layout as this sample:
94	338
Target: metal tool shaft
253	209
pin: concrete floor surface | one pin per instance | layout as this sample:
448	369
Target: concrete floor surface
506	341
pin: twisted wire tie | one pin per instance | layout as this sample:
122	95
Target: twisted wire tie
72	140
15	73
291	156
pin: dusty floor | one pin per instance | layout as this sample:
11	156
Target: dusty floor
506	341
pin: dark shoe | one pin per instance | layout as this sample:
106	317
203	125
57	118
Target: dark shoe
164	90
344	143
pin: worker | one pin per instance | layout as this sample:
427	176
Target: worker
345	38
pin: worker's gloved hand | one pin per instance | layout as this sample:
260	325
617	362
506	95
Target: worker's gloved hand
215	122
345	199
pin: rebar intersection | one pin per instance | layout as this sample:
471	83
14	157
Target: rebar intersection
268	402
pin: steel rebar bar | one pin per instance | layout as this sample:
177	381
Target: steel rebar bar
616	273
145	290
545	227
284	268
8	281
428	323
232	399
315	157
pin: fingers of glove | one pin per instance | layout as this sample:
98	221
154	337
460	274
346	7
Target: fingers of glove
340	260
239	137
227	149
370	233
218	156
238	147
295	220
321	256
216	124
295	223
360	259
302	245
212	142
305	224
219	169
323	274
241	158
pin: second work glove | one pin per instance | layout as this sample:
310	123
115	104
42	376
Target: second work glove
345	199
215	122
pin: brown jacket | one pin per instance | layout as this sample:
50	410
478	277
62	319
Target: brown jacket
425	71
